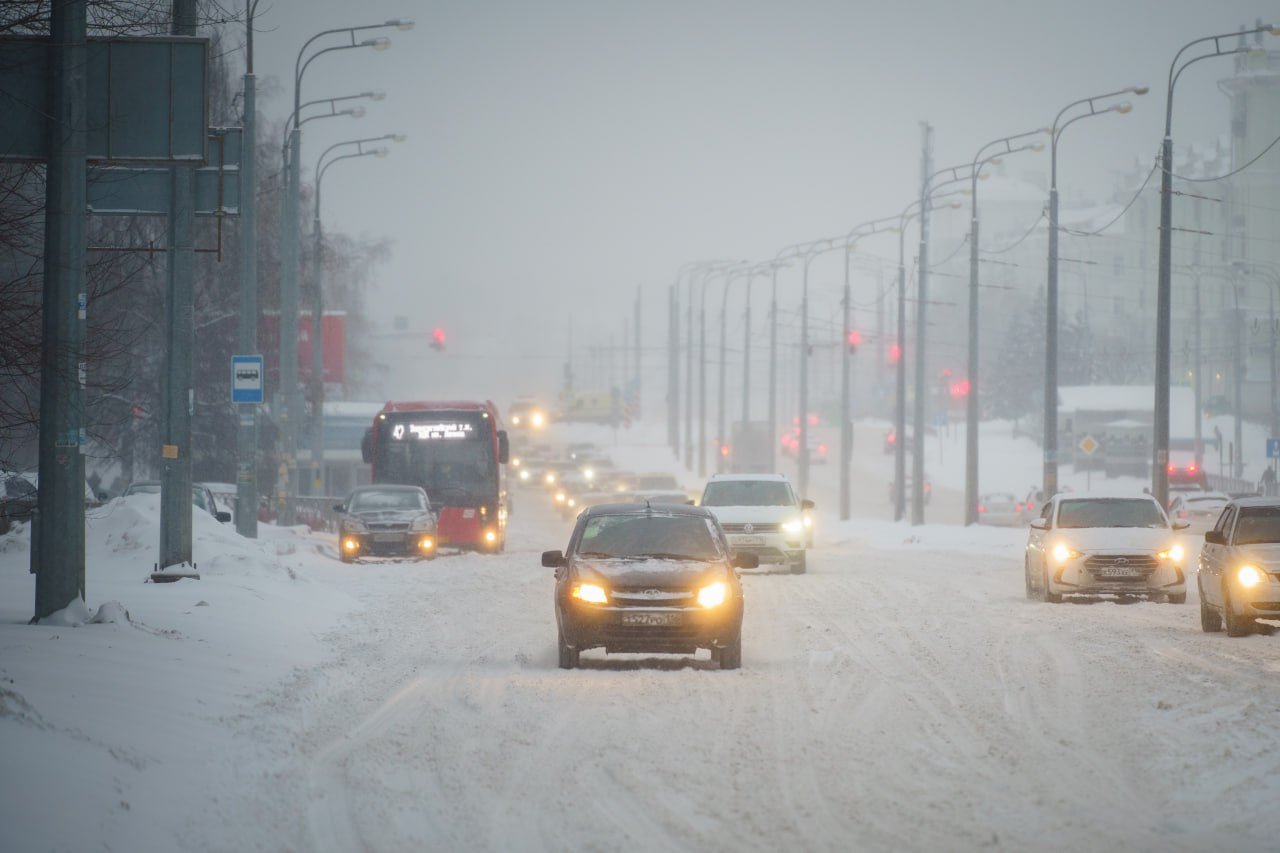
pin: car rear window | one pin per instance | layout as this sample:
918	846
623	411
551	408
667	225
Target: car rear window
1110	512
1258	524
748	493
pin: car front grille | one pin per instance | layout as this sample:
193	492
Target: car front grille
1138	564
388	526
762	527
651	598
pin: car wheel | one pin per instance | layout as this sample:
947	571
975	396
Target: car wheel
730	656
1210	619
345	557
798	564
1237	626
568	656
1045	594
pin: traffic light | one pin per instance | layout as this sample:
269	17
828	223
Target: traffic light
959	389
895	354
855	338
437	338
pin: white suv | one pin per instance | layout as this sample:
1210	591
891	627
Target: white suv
761	515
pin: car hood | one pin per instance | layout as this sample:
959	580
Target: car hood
659	574
385	516
753	514
1116	539
1263	556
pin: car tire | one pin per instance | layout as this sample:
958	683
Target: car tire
569	657
798	564
1210	619
1237	626
344	557
730	656
1045	595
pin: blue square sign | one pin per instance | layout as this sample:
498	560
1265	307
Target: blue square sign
247	379
1273	448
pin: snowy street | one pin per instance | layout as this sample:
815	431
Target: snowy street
904	693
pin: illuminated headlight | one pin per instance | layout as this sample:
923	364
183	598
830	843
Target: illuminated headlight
795	526
713	595
490	536
1174	553
808	522
1062	553
571	502
560	497
588	474
549	479
1249	576
515	463
350	544
427	543
538	419
590	593
515	420
524	474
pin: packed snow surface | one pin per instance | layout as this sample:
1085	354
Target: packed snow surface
901	695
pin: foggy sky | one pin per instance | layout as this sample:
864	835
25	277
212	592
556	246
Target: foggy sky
563	152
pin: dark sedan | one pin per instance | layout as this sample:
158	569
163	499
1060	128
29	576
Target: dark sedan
386	521
648	578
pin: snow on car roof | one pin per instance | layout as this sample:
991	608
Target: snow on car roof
776	477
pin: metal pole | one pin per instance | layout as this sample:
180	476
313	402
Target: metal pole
688	378
289	326
917	461
673	370
1164	302
900	403
702	381
802	453
721	438
746	354
1237	381
1195	273
773	373
57	536
971	421
177	393
317	356
247	338
1050	441
846	426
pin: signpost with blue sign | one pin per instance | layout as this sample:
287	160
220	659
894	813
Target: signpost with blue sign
247	379
1273	448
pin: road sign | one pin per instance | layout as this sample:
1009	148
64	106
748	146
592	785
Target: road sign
1273	448
1088	445
246	379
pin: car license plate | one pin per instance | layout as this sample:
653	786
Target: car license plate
388	537
746	540
667	619
1116	572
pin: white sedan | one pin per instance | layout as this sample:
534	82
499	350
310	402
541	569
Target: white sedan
1198	509
1100	544
1239	575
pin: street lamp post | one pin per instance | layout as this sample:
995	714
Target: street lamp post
721	438
980	159
289	248
1164	286
317	305
1050	440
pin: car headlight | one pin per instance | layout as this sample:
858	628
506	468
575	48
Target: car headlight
588	474
560	497
350	544
538	419
713	595
793	526
1062	552
427	543
1174	553
1249	576
590	593
549	479
808	522
515	420
524	474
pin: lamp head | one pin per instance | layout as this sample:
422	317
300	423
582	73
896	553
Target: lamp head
381	152
1039	146
380	43
955	205
401	23
355	112
375	95
396	137
996	161
1140	90
1123	107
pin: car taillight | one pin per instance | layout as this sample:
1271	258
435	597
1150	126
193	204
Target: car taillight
981	508
1017	507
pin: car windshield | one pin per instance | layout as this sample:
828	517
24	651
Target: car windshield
390	499
673	537
1110	512
748	493
1258	525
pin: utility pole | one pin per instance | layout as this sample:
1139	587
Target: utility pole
846	402
57	543
673	369
177	393
922	275
635	366
247	444
688	377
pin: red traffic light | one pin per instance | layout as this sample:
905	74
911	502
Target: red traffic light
960	388
855	338
437	338
895	354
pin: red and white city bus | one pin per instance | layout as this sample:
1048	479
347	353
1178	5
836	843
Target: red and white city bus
457	451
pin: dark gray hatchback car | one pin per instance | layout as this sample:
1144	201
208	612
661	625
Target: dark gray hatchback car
648	578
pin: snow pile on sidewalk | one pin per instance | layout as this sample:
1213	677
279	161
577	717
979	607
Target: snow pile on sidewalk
114	711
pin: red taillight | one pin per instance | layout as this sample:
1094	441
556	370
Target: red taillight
981	508
928	488
1017	507
724	450
1191	469
822	448
1031	506
1173	468
891	438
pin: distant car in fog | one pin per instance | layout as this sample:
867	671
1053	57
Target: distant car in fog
1198	509
762	515
1000	508
386	521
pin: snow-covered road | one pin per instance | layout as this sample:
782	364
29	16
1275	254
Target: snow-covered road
901	695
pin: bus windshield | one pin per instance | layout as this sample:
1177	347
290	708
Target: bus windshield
449	454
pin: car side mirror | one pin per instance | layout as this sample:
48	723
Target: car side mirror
690	503
223	516
746	560
806	504
553	559
338	508
1181	525
1040	523
1214	537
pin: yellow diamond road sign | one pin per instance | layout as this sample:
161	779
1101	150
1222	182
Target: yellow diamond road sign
1088	445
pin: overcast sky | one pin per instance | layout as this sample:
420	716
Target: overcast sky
563	152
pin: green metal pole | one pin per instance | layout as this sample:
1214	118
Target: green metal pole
247	450
57	543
